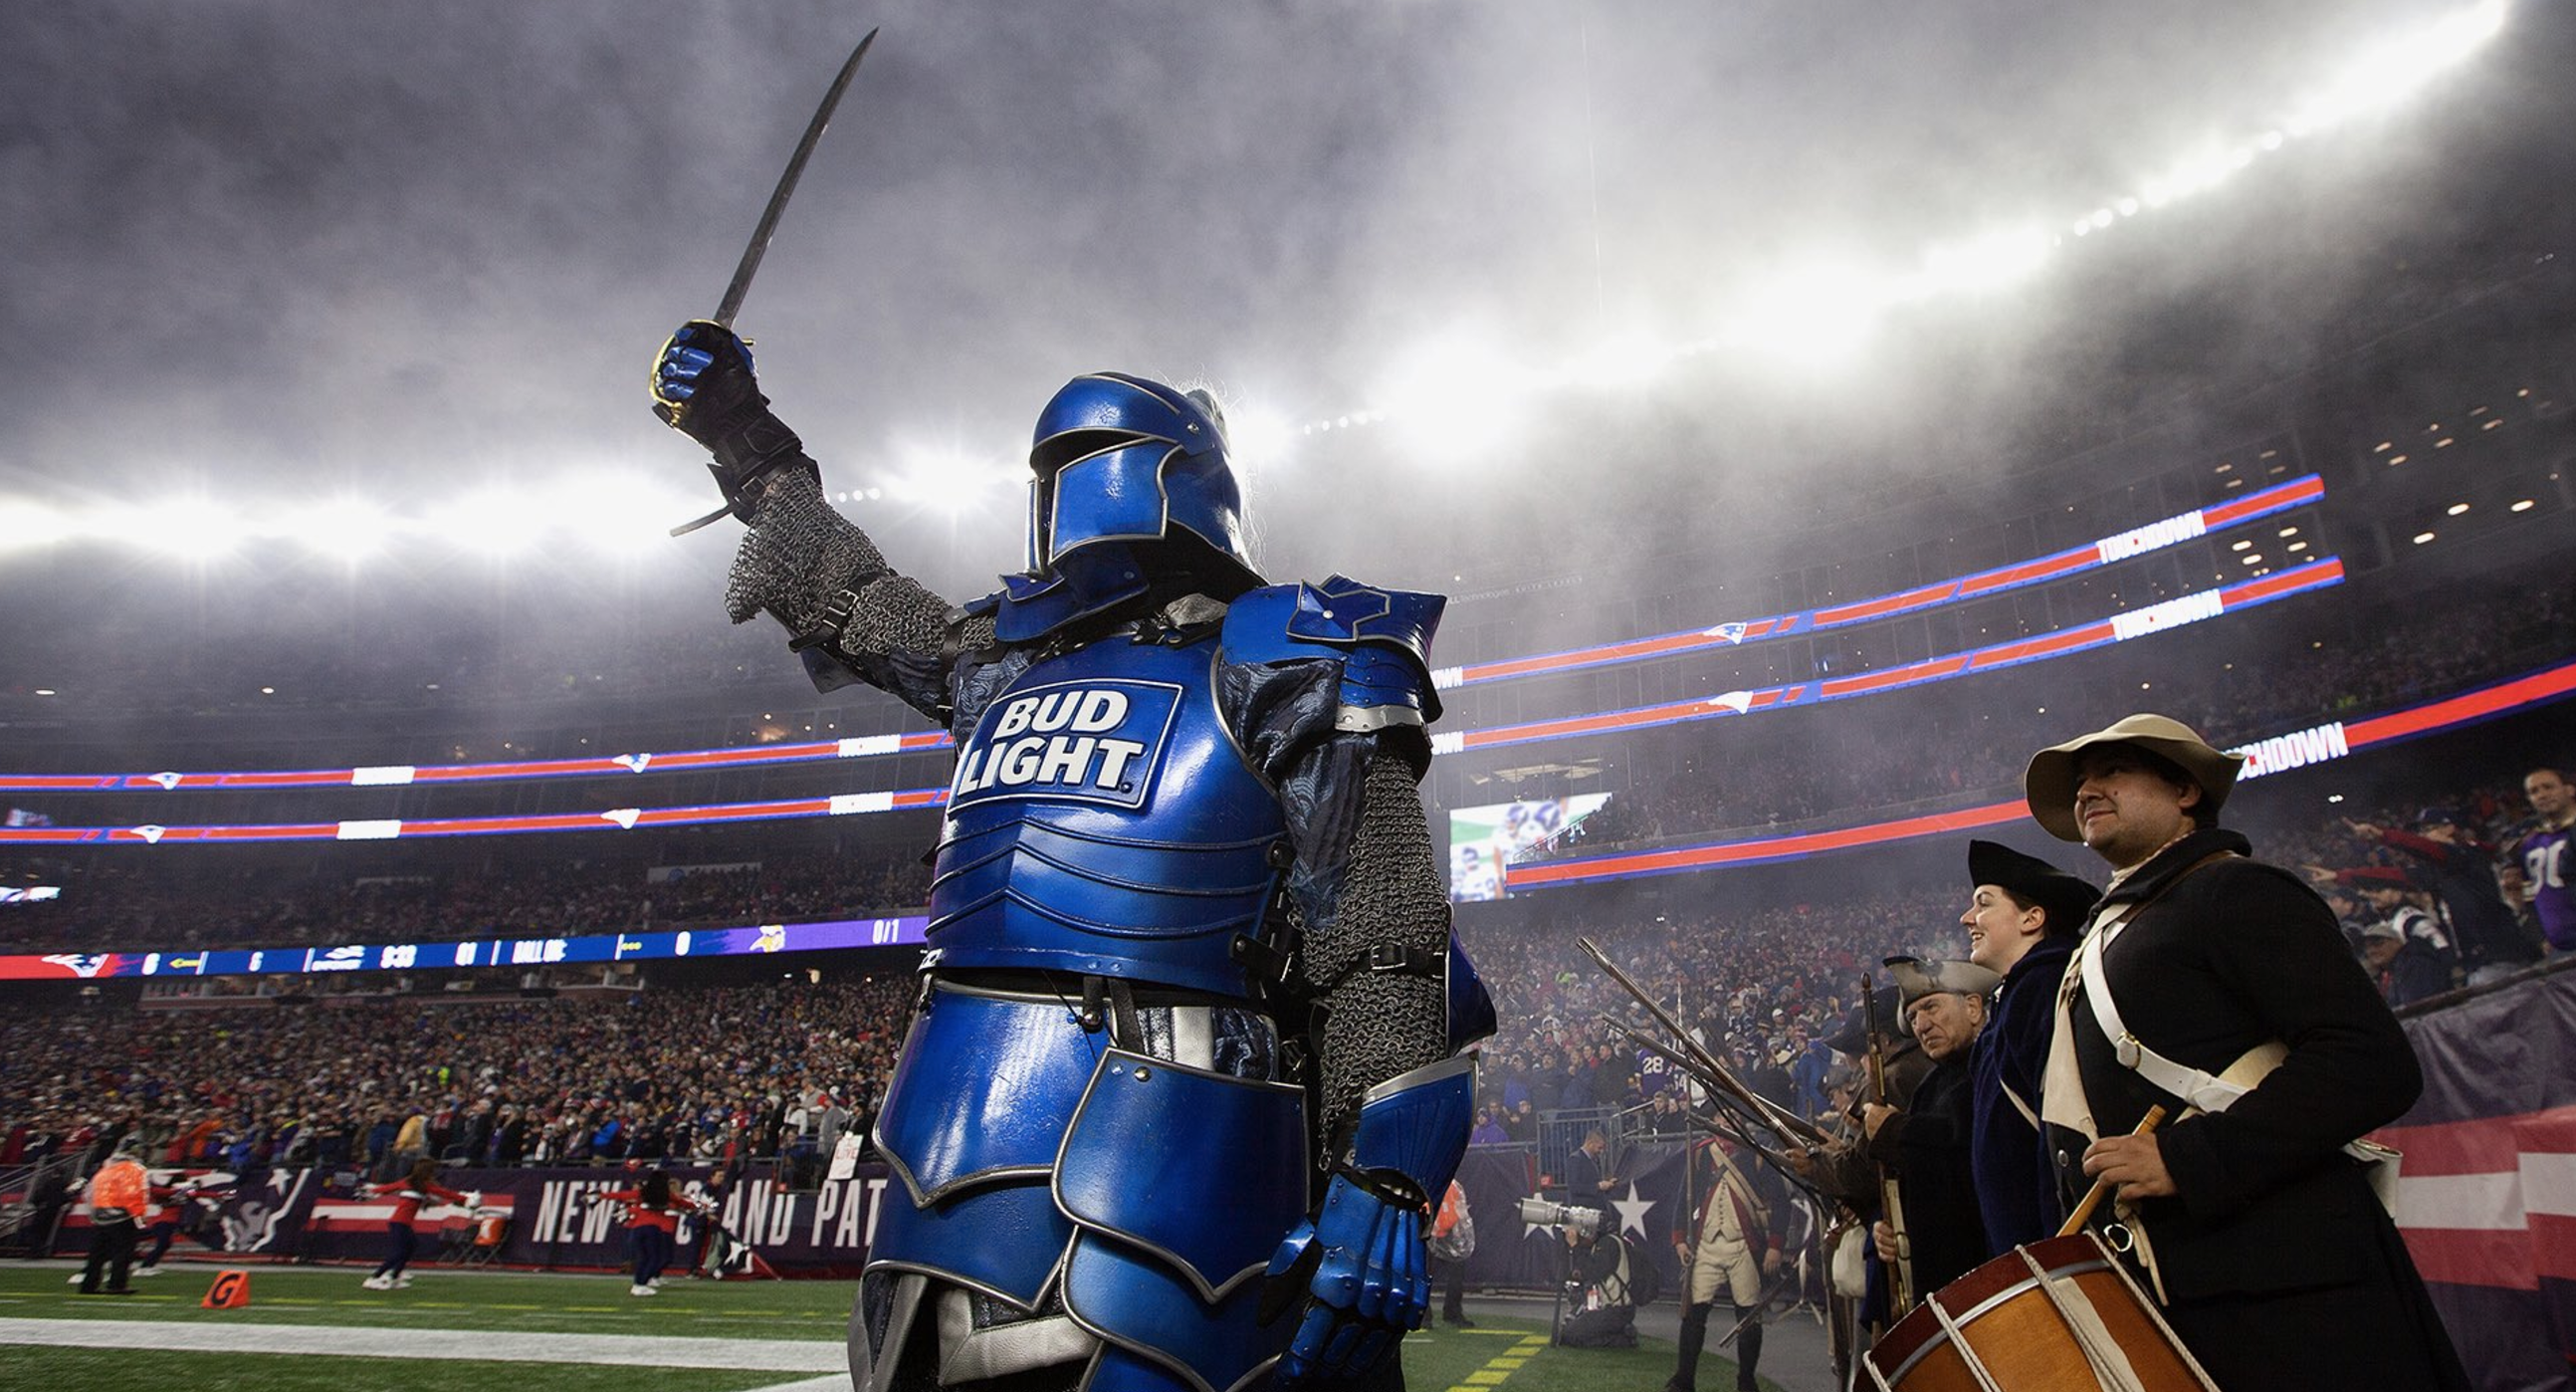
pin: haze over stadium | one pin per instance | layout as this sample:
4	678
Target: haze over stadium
1609	320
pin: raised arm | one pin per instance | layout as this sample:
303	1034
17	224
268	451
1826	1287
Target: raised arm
849	615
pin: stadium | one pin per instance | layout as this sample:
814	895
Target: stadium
1807	418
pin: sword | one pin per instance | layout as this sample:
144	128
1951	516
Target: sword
743	270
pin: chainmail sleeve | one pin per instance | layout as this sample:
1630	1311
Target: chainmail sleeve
846	609
1368	879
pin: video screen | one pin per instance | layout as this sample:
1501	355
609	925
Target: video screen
1483	840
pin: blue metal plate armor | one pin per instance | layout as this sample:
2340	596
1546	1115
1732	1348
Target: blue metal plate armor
1069	845
1381	637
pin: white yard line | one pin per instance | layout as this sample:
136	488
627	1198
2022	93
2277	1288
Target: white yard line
358	1341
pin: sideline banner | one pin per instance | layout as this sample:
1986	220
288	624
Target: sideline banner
2487	1195
528	1217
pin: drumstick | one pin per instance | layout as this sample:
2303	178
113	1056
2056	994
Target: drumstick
2154	1118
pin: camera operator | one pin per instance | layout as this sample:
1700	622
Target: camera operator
1603	1277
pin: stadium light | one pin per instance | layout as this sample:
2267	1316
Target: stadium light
1454	396
1457	395
349	529
191	528
1809	318
491	522
1990	262
28	526
1776	325
946	479
1256	439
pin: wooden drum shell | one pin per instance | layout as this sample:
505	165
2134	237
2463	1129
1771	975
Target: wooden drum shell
2002	1328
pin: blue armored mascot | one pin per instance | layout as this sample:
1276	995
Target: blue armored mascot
1186	1077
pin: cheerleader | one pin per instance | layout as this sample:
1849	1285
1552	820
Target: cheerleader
409	1194
652	1224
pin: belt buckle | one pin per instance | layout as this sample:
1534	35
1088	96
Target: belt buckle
2126	1050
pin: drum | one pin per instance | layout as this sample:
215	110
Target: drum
2055	1316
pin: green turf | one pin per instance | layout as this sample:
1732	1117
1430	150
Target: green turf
1438	1359
115	1370
446	1299
1442	1358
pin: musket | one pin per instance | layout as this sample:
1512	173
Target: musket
1778	1118
1761	1306
740	285
1718	1122
1900	1274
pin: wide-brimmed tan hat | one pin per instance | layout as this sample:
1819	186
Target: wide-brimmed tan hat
2049	785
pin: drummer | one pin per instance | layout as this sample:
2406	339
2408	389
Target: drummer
1926	1144
2275	1263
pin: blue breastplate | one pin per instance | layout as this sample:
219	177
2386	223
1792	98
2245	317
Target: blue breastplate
1103	821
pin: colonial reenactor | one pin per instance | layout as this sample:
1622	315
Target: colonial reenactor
2220	988
1731	1248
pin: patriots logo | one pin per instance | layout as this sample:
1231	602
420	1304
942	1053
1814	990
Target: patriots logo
167	780
151	834
1730	632
623	816
633	763
82	964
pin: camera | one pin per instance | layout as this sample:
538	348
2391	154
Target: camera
1584	1223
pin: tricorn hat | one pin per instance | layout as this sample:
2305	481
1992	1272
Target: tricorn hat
2067	898
2049	785
1916	978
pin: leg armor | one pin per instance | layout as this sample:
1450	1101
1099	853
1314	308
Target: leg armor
1103	1209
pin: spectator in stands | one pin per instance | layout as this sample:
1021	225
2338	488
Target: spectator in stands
2547	864
411	1141
2403	968
2395	901
2482	933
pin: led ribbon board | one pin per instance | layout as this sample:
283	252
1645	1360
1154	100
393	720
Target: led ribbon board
2094	555
2117	628
2108	550
481	952
2155	618
2272	754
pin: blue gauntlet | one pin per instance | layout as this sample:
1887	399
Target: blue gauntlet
1359	1261
703	387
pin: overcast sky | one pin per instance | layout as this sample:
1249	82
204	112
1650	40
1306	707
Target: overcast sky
281	249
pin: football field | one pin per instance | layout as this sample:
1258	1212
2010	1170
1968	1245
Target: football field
475	1331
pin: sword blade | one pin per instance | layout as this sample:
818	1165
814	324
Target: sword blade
742	273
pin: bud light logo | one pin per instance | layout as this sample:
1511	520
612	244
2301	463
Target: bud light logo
1090	741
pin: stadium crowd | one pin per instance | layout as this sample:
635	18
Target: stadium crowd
765	1071
718	1073
125	906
